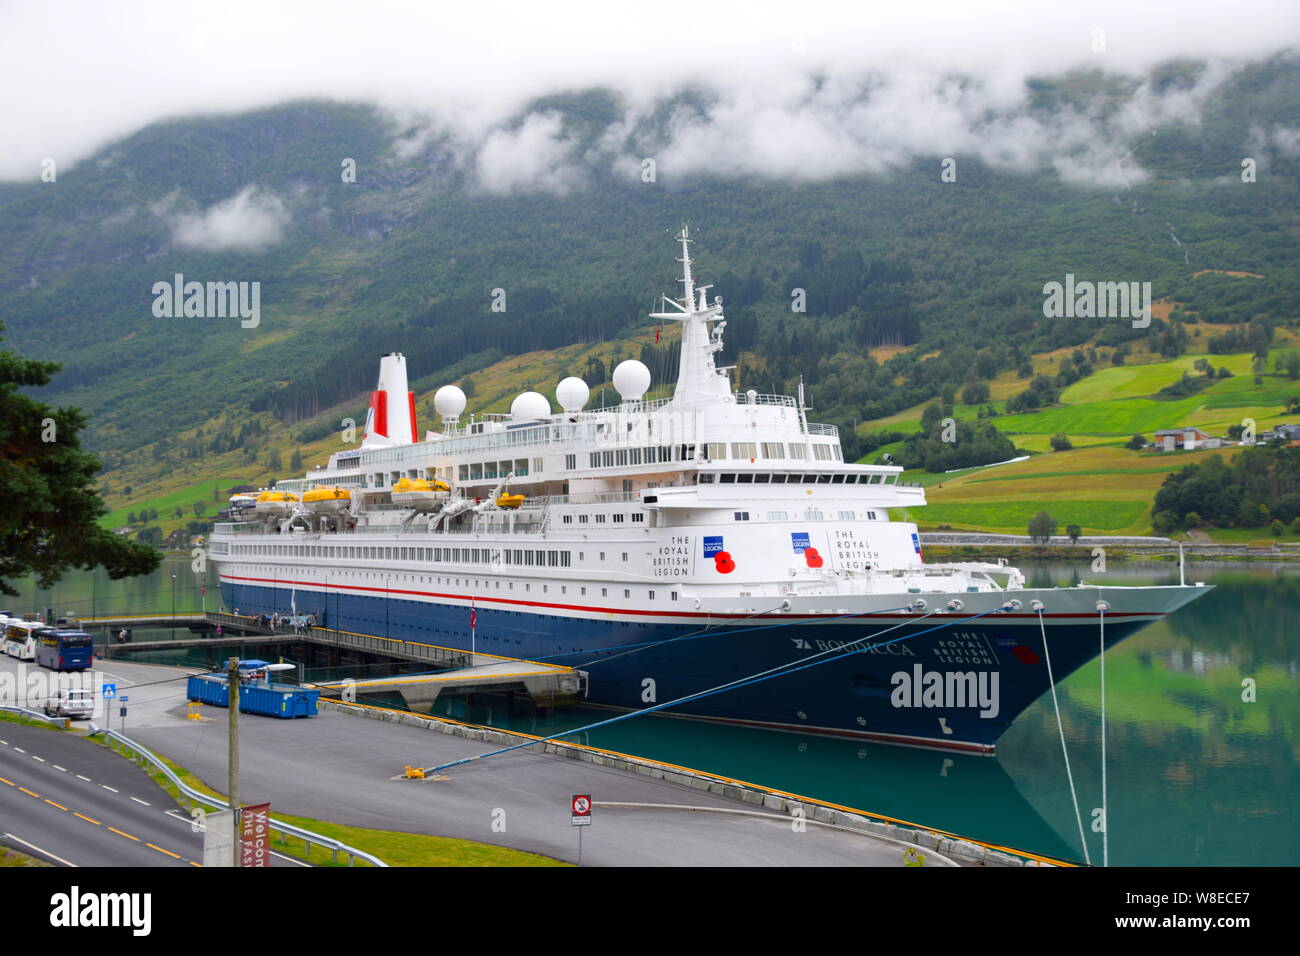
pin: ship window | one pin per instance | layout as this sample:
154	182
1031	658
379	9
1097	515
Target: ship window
600	519
762	479
583	519
635	454
608	458
584	592
650	594
823	479
717	450
638	516
627	593
604	592
773	449
727	479
871	516
798	450
846	516
837	479
705	478
618	519
620	457
521	467
744	449
567	519
822	452
745	478
812	515
593	459
570	462
779	478
742	515
602	556
537	464
624	555
777	516
672	595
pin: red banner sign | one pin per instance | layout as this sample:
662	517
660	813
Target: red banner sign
255	835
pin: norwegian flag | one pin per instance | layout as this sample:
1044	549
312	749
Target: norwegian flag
473	617
658	331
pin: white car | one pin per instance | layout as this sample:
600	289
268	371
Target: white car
71	702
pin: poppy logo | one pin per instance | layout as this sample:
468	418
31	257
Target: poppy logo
814	559
723	562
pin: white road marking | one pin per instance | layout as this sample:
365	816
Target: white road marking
87	779
34	757
32	846
138	800
20	750
108	788
57	767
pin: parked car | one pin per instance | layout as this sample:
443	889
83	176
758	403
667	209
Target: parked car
77	702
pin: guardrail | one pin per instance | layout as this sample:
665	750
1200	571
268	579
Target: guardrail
285	829
36	715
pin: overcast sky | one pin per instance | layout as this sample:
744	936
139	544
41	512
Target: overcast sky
75	75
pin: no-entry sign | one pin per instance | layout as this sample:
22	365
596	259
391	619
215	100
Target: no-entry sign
581	807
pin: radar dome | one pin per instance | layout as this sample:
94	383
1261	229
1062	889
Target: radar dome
449	401
529	406
572	394
631	380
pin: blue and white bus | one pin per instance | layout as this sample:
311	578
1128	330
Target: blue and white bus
20	639
61	650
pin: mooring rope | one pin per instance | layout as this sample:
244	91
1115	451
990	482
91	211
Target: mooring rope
778	671
1102	607
1056	704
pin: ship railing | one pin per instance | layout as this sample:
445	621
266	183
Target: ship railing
818	429
237	527
785	400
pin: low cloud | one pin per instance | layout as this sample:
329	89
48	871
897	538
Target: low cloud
250	220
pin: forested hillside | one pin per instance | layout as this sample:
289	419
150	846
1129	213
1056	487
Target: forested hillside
408	256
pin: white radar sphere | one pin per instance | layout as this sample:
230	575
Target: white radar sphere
449	401
631	380
572	394
529	406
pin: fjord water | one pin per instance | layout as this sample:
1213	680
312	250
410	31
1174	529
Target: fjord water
1195	774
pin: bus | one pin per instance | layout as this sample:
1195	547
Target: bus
61	650
20	639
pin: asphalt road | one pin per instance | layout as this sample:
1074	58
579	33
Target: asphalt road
72	802
343	768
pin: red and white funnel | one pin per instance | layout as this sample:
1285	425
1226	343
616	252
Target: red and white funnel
391	419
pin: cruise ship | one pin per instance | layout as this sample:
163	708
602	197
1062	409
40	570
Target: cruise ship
712	548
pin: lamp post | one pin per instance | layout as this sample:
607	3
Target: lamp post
173	629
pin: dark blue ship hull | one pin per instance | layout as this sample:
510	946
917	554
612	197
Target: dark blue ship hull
956	684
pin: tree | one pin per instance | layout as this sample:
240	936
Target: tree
273	463
976	393
50	511
130	518
1041	527
153	537
295	463
200	507
1075	532
1277	528
1136	443
1061	442
1295	526
153	514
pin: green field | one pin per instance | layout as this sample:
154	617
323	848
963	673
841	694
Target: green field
1099	484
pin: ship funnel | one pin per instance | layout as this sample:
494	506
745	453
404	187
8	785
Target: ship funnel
391	419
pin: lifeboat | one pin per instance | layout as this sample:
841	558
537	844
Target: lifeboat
242	502
510	501
275	503
326	500
420	494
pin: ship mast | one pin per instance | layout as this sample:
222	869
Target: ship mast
699	380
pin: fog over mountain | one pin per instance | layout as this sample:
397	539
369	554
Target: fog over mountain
808	92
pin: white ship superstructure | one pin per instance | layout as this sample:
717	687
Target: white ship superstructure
577	530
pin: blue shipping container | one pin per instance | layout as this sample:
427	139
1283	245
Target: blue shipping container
270	700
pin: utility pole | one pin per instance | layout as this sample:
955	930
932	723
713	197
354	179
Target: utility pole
232	783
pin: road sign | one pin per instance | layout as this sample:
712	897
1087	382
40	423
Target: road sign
109	691
255	831
121	712
581	808
124	698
